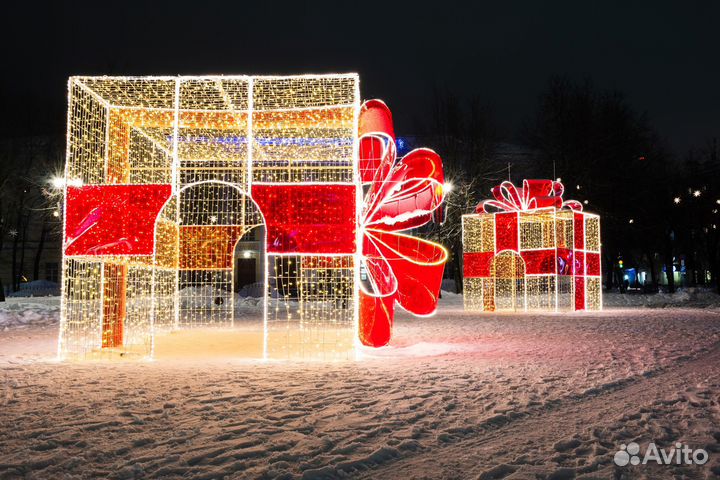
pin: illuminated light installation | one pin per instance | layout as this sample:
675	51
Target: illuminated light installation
165	175
527	249
399	195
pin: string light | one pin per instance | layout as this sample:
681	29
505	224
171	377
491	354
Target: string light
527	249
215	157
401	194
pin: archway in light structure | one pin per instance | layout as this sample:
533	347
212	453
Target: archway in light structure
507	273
196	237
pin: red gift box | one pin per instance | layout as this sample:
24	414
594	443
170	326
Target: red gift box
528	249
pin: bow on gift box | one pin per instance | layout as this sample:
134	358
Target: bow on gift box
533	194
400	195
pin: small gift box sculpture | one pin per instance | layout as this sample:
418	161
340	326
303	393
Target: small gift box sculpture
527	249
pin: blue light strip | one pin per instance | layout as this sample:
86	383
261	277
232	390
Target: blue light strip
269	141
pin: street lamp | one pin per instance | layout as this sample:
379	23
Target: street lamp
57	183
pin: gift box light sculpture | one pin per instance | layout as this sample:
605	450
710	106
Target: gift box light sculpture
527	249
165	175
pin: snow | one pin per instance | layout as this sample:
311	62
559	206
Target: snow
207	297
458	395
22	312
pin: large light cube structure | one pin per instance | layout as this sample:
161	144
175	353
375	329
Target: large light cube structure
165	174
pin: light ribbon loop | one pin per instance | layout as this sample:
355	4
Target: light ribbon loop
402	195
533	195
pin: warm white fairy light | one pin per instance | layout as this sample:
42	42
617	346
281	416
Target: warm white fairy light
211	138
532	260
57	182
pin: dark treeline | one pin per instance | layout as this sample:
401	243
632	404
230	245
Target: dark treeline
659	213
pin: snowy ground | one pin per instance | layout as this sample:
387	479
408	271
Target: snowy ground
458	395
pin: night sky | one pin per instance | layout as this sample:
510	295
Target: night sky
663	55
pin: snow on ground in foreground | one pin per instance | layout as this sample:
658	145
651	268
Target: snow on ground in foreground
459	395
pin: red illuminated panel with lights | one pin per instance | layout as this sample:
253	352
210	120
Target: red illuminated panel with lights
313	219
592	263
477	264
579	226
579	293
539	262
113	219
579	263
565	261
506	231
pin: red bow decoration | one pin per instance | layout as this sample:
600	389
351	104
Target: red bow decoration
534	194
401	194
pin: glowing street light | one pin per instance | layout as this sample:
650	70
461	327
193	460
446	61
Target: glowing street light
57	182
697	193
676	200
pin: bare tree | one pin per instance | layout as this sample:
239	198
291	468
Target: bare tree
25	200
464	133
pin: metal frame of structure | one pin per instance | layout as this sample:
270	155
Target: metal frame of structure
212	157
535	253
